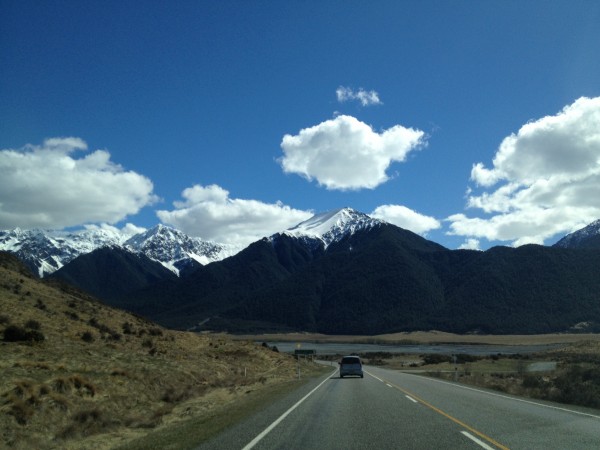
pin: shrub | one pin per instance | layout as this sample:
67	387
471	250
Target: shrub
32	325
435	358
21	411
15	333
72	315
86	423
60	385
87	337
41	305
155	331
4	319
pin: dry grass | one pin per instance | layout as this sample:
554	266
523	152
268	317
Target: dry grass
102	377
428	337
569	374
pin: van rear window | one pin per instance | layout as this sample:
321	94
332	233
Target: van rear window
350	361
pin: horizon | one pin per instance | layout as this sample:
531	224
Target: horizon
128	233
472	124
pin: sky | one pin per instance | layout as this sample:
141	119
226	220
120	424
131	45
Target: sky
471	123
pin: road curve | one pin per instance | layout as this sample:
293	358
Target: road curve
394	410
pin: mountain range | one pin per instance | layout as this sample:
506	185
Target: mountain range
44	252
347	273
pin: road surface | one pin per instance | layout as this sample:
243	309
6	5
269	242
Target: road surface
393	410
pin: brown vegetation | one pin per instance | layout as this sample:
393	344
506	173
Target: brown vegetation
428	337
101	377
572	374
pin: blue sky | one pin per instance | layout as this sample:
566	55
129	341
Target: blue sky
473	123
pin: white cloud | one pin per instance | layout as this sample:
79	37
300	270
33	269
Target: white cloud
406	218
366	98
470	244
549	175
46	187
127	231
209	213
345	153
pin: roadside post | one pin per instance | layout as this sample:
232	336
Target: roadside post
298	345
303	352
455	367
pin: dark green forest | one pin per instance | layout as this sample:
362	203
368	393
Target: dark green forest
382	280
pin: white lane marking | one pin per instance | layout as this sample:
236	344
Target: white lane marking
389	385
512	398
376	377
267	430
477	441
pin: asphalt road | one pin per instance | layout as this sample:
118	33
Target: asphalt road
393	410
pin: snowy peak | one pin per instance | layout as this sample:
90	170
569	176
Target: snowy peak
174	249
45	252
332	226
587	237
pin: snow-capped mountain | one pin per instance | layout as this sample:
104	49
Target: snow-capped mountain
47	251
175	250
331	226
44	251
587	237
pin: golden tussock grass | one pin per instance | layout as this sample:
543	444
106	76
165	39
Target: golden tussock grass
101	377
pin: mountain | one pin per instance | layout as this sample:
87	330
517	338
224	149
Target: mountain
320	275
330	227
176	250
44	252
111	272
587	237
342	272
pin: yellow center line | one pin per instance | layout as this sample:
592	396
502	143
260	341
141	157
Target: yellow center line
439	411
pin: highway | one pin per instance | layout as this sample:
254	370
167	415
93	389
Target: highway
393	410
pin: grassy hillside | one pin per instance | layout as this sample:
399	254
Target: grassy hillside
75	373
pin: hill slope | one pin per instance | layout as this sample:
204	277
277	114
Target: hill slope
88	376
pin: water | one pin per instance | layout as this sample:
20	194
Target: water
348	348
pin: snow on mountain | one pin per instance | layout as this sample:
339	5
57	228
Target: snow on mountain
174	249
331	226
581	238
45	251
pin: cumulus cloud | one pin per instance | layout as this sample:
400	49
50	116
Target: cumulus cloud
46	186
347	154
366	98
208	212
127	231
547	179
406	218
470	244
